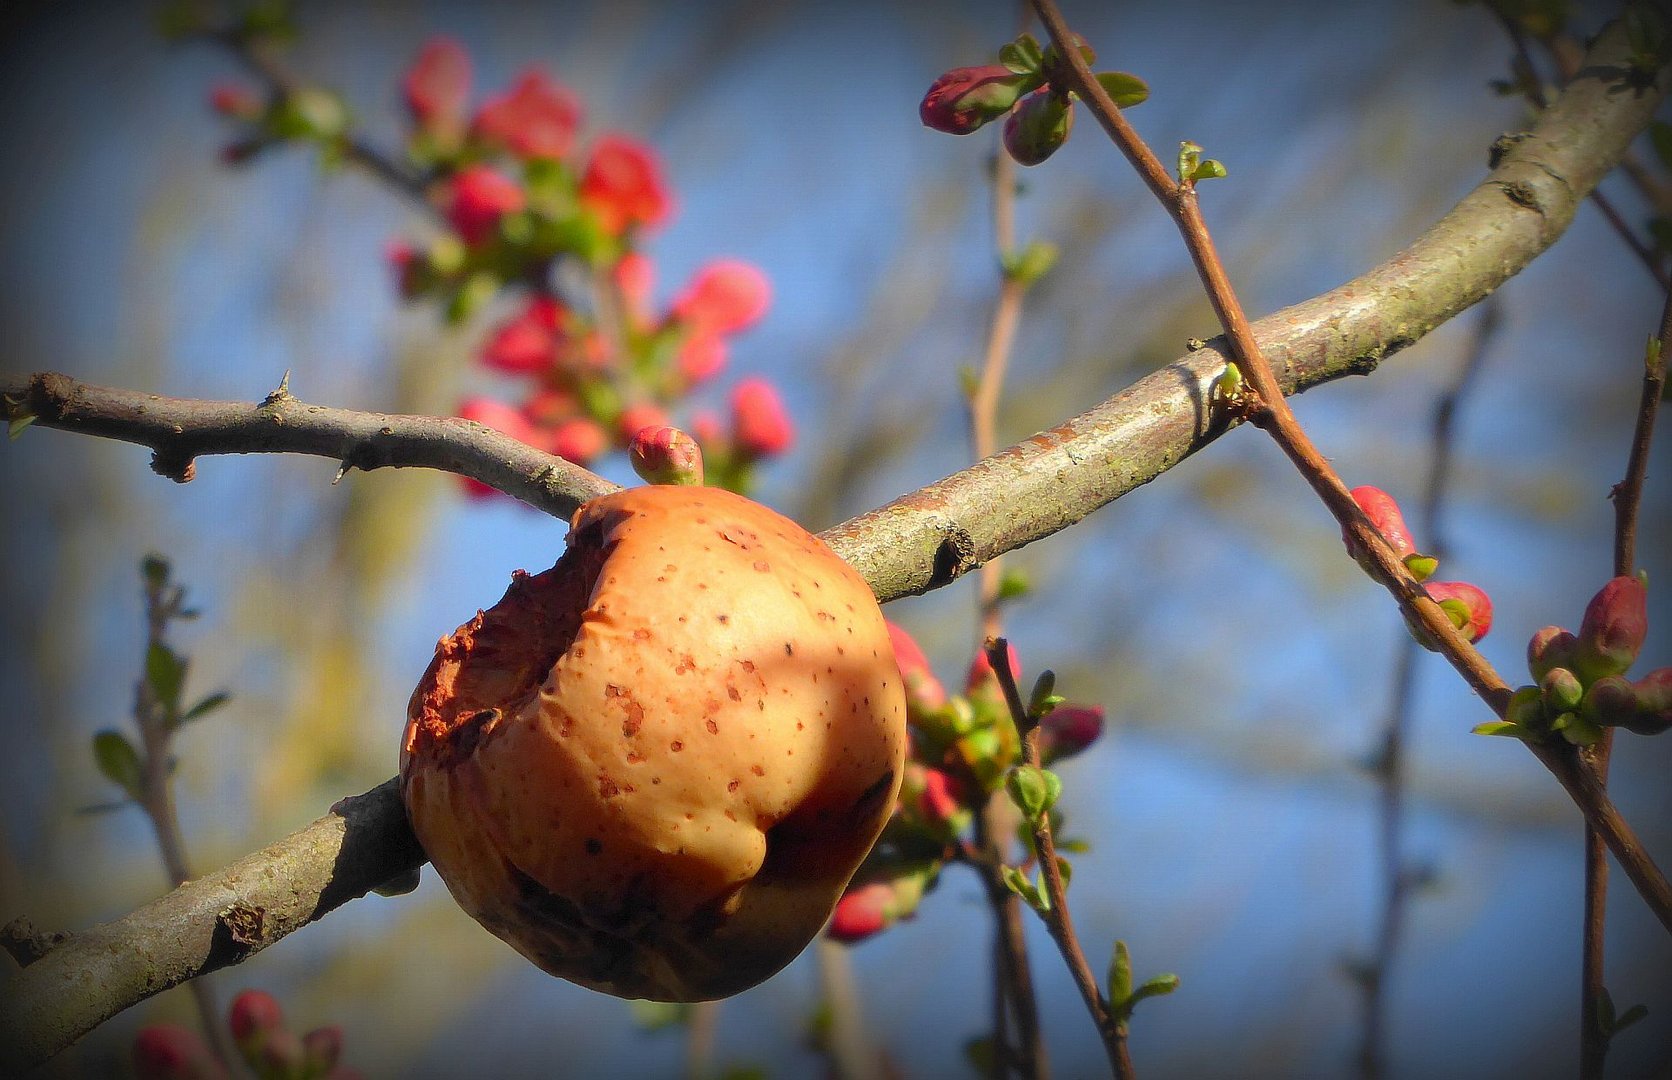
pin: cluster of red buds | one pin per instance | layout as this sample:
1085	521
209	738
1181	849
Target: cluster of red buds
272	1051
1467	606
1580	684
1025	87
532	209
963	749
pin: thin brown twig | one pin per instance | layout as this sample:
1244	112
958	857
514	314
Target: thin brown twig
155	794
1055	914
1012	979
1264	406
1398	877
260	62
1627	496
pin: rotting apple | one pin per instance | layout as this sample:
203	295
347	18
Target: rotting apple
653	768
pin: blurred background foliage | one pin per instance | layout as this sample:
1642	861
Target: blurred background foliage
1245	663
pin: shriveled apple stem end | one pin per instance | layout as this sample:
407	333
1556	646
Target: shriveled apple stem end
666	455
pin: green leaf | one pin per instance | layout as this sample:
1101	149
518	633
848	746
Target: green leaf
1066	870
18	423
1031	263
1018	883
1629	1017
1033	790
659	1015
1160	986
1013	584
118	761
743	1072
165	672
1208	170
981	1053
1124	88
1422	567
205	706
1023	56
1120	976
1190	155
1043	688
1502	727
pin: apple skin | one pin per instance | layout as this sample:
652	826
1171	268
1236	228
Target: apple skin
653	768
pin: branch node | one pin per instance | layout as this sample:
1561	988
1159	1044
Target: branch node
26	944
176	466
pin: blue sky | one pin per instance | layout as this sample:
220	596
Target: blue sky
1244	662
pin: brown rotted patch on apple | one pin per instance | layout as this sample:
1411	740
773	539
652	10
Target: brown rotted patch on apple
493	665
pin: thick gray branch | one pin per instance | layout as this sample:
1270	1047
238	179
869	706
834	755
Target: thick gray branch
919	542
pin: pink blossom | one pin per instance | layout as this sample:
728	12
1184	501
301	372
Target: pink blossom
760	426
701	357
981	671
635	277
638	416
623	185
861	912
725	296
173	1052
526	344
236	101
437	86
578	439
923	690
253	1015
475	200
536	118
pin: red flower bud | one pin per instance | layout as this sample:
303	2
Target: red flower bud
1068	729
237	101
1616	622
1039	127
1384	514
665	455
623	185
173	1052
254	1017
526	344
536	118
1552	647
924	692
280	1055
321	1048
941	800
409	268
963	99
437	86
861	912
1654	702
1469	608
475	200
726	296
760	426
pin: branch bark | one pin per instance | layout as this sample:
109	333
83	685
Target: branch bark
919	542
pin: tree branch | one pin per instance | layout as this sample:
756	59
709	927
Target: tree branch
919	542
178	430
